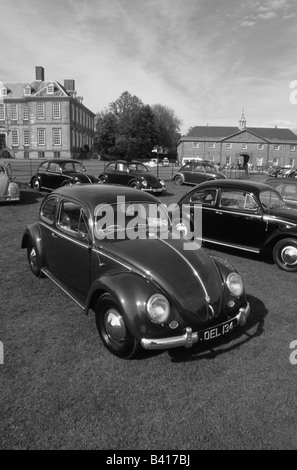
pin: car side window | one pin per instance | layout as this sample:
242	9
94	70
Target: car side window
73	219
111	166
238	200
54	168
2	169
48	210
290	191
206	196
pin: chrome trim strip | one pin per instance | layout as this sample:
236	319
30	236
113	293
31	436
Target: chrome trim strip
46	272
189	337
207	298
240	247
103	253
64	235
221	209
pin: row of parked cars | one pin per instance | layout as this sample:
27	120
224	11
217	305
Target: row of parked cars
117	251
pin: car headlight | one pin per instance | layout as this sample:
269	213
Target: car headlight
12	190
235	284
144	183
158	308
162	182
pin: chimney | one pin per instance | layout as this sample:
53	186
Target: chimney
39	73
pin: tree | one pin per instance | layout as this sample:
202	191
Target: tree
167	126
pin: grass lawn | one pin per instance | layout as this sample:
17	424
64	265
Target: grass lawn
61	389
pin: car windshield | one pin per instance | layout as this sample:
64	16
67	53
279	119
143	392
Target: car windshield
73	166
130	220
271	200
137	167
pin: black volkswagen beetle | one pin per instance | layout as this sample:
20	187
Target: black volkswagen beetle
134	174
243	214
52	174
112	251
196	172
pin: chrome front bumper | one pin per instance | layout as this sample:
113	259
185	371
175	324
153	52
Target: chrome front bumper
189	337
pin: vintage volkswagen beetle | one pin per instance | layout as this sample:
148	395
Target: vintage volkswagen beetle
196	172
9	191
146	288
134	174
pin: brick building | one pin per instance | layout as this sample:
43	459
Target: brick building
44	119
258	146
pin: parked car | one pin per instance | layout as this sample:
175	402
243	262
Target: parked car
133	174
287	188
196	172
9	190
246	215
52	174
165	162
148	290
279	171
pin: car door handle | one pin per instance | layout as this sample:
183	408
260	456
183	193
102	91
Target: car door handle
219	213
54	235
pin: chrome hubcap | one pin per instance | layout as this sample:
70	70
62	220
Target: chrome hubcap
289	255
33	258
114	326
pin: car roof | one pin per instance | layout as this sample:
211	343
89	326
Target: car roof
235	184
281	180
95	194
59	161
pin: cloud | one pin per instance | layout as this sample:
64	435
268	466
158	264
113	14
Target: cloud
267	16
247	24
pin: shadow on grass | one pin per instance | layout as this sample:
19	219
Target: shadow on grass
253	328
31	196
225	250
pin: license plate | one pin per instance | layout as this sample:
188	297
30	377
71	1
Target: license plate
217	331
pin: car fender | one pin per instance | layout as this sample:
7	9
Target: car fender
178	174
32	235
278	235
35	177
130	292
4	183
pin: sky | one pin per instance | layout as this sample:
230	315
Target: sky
204	59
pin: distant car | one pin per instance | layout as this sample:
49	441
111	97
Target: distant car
279	171
145	291
52	174
9	190
245	215
287	188
195	173
133	174
165	162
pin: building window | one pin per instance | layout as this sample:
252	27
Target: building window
56	110
244	146
51	89
40	136
26	137
15	137
291	162
57	154
25	112
27	91
228	146
41	154
57	137
40	111
260	146
275	162
14	112
2	112
292	147
228	160
3	91
212	146
195	145
276	147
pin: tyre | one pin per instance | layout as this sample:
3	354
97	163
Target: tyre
33	260
66	183
285	254
134	185
102	179
178	180
112	329
36	184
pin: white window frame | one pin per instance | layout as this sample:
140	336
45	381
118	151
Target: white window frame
15	138
228	146
276	147
2	112
3	91
292	161
244	146
26	137
228	159
25	111
14	112
195	145
211	145
40	111
27	91
260	146
41	137
292	148
57	137
50	89
56	110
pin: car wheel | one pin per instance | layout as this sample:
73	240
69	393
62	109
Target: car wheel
33	260
285	254
178	180
113	330
134	185
36	184
66	183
